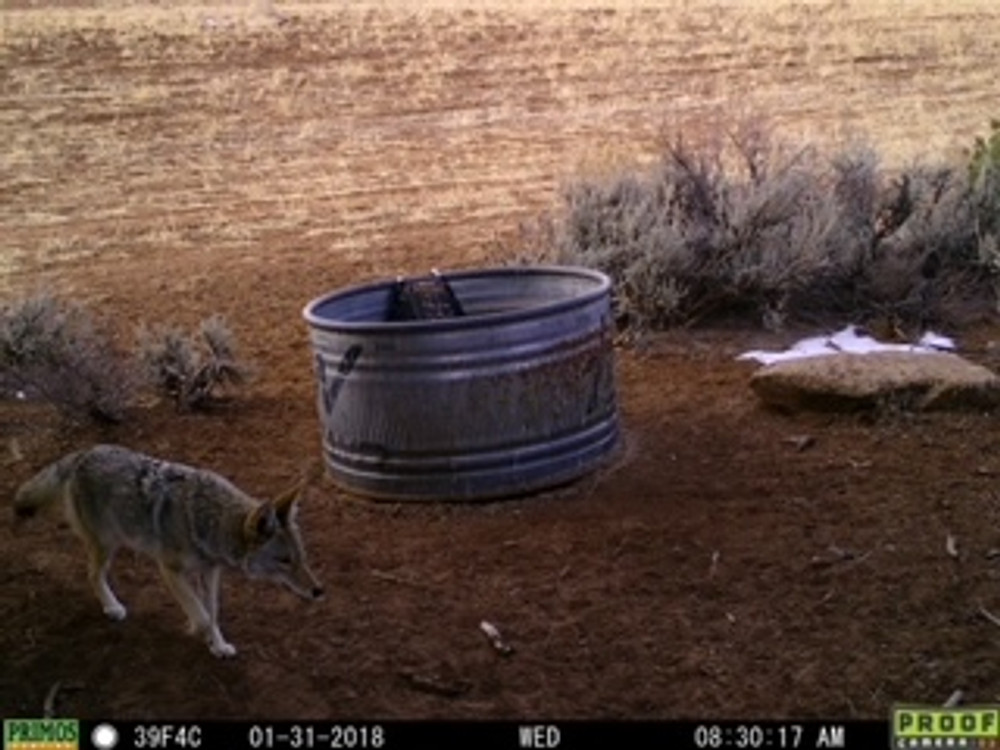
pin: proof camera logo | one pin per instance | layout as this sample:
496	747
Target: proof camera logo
968	727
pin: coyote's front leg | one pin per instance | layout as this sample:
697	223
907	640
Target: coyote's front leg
201	619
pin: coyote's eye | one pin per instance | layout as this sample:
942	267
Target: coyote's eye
285	560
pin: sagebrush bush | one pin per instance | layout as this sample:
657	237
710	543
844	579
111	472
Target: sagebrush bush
191	368
52	350
756	229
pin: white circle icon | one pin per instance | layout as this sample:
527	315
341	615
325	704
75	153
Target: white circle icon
104	737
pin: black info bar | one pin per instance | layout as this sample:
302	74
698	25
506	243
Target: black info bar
476	735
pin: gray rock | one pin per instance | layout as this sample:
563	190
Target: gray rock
847	382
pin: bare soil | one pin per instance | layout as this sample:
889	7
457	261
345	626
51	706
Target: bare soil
718	567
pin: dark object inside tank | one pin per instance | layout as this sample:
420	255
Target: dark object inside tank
423	298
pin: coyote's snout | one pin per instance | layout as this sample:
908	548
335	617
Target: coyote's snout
192	522
276	551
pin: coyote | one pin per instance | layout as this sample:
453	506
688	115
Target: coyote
192	522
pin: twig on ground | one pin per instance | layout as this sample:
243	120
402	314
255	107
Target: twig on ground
496	640
49	705
433	685
951	546
714	564
989	615
800	442
393	578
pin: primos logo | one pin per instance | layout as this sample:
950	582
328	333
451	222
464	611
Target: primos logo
41	734
932	727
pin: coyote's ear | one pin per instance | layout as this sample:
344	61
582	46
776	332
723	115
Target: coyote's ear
284	502
260	523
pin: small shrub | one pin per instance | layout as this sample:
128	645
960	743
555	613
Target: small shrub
52	350
189	368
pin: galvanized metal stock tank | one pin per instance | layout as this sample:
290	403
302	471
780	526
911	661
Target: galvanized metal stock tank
516	395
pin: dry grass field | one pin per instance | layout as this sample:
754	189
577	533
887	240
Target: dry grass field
171	160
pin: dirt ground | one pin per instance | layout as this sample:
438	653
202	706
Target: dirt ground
713	569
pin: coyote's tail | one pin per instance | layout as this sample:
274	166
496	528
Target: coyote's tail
45	487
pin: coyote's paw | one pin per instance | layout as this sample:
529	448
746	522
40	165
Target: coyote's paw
222	649
115	611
